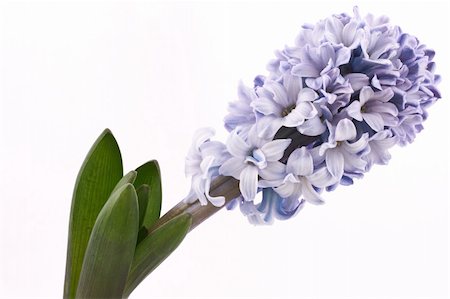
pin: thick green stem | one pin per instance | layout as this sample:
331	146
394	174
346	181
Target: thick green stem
221	186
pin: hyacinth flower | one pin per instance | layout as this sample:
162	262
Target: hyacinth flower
330	107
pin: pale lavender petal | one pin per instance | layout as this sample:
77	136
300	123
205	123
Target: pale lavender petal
274	171
248	184
322	178
326	146
297	116
345	130
199	189
245	93
357	146
232	167
293	86
257	158
374	120
205	165
335	163
213	148
307	95
349	33
191	165
268	126
342	56
315	83
279	93
333	30
202	135
384	95
305	70
289	189
300	162
379	145
353	163
357	80
309	194
354	110
217	201
376	83
378	107
312	127
266	106
365	95
236	146
270	183
286	208
307	109
274	150
317	158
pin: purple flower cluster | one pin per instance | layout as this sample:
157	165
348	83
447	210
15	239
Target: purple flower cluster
330	107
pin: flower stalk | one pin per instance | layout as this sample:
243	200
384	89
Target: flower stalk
221	186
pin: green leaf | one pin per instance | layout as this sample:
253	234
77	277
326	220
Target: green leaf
111	247
129	178
155	248
101	170
143	193
150	175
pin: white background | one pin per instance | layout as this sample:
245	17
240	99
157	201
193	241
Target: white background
154	73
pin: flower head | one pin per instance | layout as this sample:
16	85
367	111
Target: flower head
330	108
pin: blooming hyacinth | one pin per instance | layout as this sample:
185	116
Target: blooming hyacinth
330	107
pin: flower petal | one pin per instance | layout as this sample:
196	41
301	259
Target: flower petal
249	182
198	186
269	183
322	178
205	165
274	150
365	94
335	163
286	208
297	116
374	120
333	30
349	32
245	93
384	95
354	110
274	171
345	130
378	107
358	146
306	95
300	162
232	167
357	80
268	126
266	106
213	148
312	127
305	70
293	85
278	91
289	189
342	56
309	193
217	201
236	146
202	135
